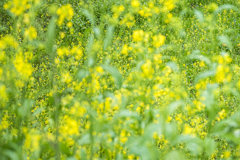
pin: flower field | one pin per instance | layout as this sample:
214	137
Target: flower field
119	79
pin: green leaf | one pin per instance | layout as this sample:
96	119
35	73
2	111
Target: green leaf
97	31
92	57
126	113
171	131
25	109
195	148
82	74
172	107
205	75
199	15
235	93
65	149
11	154
50	36
108	38
141	151
173	66
71	158
115	73
184	139
175	155
84	140
209	145
89	16
225	40
223	7
201	58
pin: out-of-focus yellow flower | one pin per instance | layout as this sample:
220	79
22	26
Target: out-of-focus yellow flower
69	24
188	130
212	7
138	35
99	69
3	93
26	18
147	69
158	40
8	41
123	136
32	141
220	75
125	49
30	33
227	154
222	114
66	77
135	3
65	12
24	68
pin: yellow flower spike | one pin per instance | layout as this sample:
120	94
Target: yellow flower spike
125	49
227	58
220	74
158	41
65	12
66	77
147	69
212	7
227	154
169	118
222	114
169	5
138	35
99	69
69	24
30	33
3	93
131	157
26	18
135	3
24	68
121	8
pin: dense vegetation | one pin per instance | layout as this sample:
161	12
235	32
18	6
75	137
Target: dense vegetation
124	79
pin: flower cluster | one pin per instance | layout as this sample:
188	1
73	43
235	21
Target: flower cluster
127	79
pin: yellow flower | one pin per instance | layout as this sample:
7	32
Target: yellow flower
24	68
3	93
155	135
212	7
99	69
187	129
69	24
72	126
158	41
227	154
26	18
121	8
138	35
169	5
123	136
65	12
124	49
66	77
30	33
135	3
222	114
220	74
147	69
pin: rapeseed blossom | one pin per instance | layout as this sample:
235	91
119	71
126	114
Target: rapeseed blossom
65	12
128	79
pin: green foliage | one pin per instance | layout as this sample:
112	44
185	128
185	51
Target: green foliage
126	79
